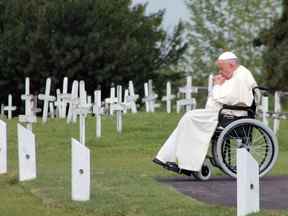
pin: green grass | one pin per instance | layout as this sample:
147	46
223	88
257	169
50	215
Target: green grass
123	176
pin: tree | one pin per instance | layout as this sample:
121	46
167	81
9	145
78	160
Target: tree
216	26
98	41
275	55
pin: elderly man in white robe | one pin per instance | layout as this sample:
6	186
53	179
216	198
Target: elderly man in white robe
186	148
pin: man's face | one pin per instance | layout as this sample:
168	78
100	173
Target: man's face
226	68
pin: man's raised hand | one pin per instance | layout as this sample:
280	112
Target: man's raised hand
218	79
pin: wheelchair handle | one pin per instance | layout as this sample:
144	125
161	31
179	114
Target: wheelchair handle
262	88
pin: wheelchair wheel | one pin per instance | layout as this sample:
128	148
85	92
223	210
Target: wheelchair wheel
205	173
251	134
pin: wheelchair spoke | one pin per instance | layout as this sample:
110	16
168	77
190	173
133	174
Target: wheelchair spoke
256	153
229	152
237	136
249	130
258	143
245	136
258	138
260	150
259	147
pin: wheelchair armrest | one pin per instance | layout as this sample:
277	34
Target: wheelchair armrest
238	108
234	107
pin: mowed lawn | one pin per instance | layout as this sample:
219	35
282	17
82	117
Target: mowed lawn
123	176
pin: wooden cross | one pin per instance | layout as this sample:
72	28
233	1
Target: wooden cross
27	97
169	97
46	98
265	107
62	113
73	100
130	98
119	108
29	118
150	97
110	101
9	108
82	109
277	110
98	111
2	110
188	102
51	110
58	103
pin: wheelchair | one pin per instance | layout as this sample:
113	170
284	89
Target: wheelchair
235	132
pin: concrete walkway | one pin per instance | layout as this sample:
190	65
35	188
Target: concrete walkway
222	190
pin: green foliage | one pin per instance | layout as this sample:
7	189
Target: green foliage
216	26
275	54
98	41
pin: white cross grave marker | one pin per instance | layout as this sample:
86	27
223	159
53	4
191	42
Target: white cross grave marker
82	109
150	97
127	104
83	93
153	103
58	103
89	103
46	98
26	154
277	110
64	102
119	108
169	97
2	110
3	147
73	100
29	118
110	101
34	108
247	183
80	171
89	99
9	108
265	107
62	99
145	99
27	97
130	98
188	102
98	111
51	110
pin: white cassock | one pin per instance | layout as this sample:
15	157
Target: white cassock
189	142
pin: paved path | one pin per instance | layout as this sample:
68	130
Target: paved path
222	190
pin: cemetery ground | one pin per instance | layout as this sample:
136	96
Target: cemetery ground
123	177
